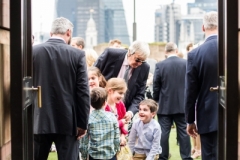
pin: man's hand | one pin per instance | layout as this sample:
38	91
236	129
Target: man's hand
192	130
81	133
128	117
124	121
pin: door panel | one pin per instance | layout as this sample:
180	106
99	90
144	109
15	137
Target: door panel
228	72
21	85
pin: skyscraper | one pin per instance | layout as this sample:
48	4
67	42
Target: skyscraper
69	12
205	1
83	15
167	27
205	5
109	17
117	14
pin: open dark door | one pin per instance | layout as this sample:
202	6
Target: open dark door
21	80
228	79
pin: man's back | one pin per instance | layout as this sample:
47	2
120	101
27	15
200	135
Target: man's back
169	80
61	71
203	63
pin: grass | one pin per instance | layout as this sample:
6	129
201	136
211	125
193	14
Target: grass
173	148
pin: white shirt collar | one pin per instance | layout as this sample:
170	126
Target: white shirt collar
172	55
55	37
125	61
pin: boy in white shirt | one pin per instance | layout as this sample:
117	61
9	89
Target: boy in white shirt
144	138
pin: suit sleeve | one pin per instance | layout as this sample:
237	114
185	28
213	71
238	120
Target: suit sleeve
156	83
140	95
83	98
101	61
191	90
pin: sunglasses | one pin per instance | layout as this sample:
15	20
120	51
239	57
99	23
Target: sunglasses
139	60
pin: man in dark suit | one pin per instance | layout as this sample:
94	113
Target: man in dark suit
61	72
168	91
130	65
202	74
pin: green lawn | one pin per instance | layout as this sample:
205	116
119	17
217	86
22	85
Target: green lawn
174	148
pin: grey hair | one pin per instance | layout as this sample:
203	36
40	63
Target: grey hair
79	41
141	47
61	25
210	20
170	46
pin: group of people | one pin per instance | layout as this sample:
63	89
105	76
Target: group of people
87	105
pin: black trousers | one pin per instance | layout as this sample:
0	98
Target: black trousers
114	158
67	146
209	146
165	122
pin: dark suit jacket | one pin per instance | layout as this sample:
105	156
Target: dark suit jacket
61	71
202	74
168	85
110	63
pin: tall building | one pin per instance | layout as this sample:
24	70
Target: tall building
191	24
205	5
83	12
205	1
116	15
191	30
109	17
167	26
69	12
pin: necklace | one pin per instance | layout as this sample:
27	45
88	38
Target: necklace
113	109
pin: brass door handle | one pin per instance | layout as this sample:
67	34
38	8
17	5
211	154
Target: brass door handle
39	93
214	89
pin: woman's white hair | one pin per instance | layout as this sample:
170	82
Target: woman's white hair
141	47
61	25
210	20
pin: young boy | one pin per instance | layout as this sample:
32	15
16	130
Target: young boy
144	138
102	140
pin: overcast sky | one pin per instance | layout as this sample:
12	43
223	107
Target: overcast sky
145	18
44	14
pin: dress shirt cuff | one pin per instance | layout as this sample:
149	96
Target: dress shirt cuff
190	123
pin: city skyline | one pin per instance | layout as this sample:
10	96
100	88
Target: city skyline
42	19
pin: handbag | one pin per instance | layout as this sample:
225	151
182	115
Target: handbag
124	153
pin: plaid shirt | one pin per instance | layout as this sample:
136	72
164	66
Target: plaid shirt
102	139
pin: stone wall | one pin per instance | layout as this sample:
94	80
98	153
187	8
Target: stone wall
5	126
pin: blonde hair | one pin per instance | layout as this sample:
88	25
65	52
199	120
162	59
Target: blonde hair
97	72
116	84
91	57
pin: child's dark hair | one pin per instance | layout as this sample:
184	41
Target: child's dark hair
97	72
98	97
153	106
